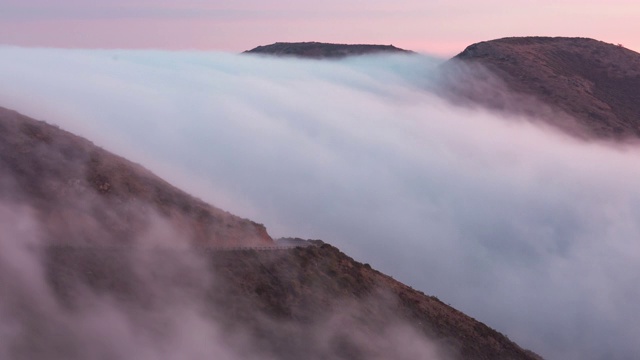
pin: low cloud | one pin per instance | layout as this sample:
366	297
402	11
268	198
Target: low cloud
64	318
528	230
155	300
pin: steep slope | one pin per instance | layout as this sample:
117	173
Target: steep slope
320	50
313	281
110	270
82	193
596	83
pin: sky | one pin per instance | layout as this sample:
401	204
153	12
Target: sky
437	27
528	230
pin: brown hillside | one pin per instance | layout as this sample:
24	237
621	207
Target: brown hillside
288	299
594	82
83	193
320	50
89	288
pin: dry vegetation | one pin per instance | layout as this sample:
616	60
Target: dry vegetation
594	82
82	192
282	297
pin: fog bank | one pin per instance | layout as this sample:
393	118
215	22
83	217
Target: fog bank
528	230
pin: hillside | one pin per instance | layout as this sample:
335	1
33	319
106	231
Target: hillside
320	50
595	83
285	300
111	268
82	193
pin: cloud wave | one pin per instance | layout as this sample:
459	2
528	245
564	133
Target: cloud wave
528	230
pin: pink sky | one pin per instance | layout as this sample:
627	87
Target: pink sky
437	26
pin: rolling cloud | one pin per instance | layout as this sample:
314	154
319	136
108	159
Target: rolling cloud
526	229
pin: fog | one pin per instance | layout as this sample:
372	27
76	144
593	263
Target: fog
158	300
528	230
36	325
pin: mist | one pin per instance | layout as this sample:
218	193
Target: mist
526	229
159	299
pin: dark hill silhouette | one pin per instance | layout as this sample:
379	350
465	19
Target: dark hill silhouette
320	50
596	83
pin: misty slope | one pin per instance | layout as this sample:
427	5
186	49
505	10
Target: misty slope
312	281
594	82
309	302
83	193
79	296
323	50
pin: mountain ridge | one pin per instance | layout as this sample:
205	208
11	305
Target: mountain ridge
585	87
95	210
297	290
319	50
67	179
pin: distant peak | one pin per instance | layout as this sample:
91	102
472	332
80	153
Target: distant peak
319	50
